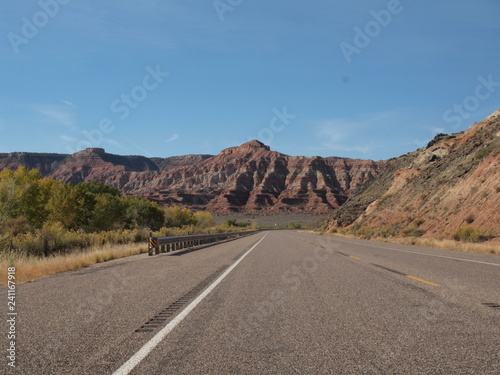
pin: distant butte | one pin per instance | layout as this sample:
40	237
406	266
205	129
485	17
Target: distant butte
249	178
450	183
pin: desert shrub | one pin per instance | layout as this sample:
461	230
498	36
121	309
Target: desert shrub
293	226
470	219
485	151
54	239
234	223
363	232
384	198
413	231
204	219
418	221
356	227
51	238
386	232
469	234
15	226
424	196
178	217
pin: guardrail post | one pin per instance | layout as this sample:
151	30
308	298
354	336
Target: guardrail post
150	244
153	244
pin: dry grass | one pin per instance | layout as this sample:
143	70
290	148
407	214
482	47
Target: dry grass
484	248
32	268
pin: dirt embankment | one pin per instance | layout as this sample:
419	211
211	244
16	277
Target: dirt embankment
452	183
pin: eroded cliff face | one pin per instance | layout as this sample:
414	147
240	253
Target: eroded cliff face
454	181
249	178
45	163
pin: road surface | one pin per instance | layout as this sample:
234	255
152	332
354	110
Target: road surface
278	302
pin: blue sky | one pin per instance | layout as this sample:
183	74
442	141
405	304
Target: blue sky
365	79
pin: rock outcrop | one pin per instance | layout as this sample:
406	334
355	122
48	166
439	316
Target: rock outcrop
249	178
453	182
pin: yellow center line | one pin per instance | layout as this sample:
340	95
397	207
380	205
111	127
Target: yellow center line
422	281
354	257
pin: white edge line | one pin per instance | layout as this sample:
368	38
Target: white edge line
415	252
147	348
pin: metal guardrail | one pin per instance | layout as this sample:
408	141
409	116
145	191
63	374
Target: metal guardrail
157	245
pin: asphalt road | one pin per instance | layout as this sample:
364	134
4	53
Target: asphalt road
295	304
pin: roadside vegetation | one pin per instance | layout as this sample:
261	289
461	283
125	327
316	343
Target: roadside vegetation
470	234
467	238
47	226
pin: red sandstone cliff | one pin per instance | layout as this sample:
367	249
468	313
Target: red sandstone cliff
250	178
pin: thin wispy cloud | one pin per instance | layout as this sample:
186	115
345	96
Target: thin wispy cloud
172	138
114	142
67	138
56	115
143	150
68	103
356	135
94	54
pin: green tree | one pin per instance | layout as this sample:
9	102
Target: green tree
204	219
94	199
178	217
97	187
108	213
141	213
234	223
21	195
63	206
8	196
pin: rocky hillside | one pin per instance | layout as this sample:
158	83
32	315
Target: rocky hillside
453	182
250	178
